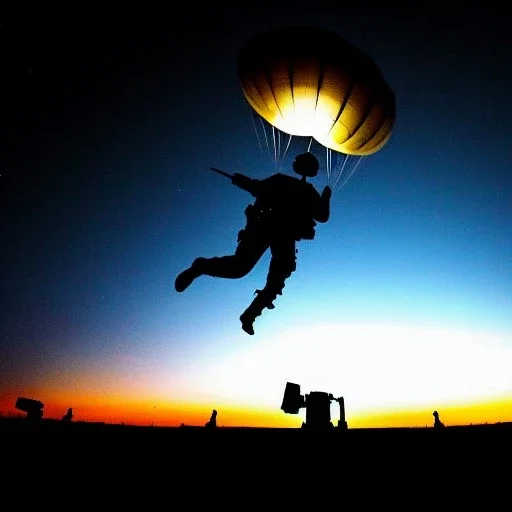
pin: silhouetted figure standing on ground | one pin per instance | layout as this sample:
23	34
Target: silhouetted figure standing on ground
437	421
68	416
285	211
212	422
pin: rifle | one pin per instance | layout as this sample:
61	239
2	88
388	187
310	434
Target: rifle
224	173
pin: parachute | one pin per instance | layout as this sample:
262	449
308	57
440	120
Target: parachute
311	82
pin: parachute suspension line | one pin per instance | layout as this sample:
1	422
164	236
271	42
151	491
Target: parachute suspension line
264	129
286	148
340	166
276	159
353	170
309	145
256	130
328	164
358	161
280	158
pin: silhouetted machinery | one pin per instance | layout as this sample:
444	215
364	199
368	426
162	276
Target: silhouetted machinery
33	408
318	407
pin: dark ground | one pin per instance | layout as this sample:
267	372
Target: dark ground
127	466
405	443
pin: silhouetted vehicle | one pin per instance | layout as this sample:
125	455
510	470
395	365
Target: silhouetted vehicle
318	407
33	408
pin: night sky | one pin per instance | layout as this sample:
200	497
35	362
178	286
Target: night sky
403	302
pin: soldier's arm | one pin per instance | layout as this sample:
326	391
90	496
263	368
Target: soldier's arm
323	205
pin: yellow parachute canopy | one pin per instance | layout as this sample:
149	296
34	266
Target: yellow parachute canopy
311	82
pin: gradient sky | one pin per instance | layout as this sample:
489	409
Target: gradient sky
403	302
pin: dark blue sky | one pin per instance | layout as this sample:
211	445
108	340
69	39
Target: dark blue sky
110	125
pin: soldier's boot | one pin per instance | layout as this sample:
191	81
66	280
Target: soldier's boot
262	300
185	279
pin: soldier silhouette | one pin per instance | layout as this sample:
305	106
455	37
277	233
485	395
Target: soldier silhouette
68	416
285	211
212	422
437	422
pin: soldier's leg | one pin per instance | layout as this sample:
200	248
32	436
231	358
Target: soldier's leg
250	248
282	264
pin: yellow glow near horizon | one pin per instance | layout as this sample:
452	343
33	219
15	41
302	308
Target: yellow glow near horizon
373	367
389	376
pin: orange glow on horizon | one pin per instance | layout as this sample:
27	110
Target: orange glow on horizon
464	375
159	413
